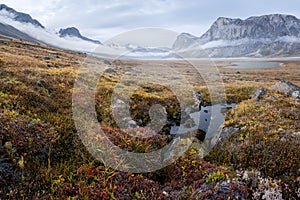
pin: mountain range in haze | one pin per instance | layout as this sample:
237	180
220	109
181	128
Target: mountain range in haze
274	35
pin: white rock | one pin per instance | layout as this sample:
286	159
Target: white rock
296	95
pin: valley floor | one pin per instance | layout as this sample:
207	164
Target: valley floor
42	156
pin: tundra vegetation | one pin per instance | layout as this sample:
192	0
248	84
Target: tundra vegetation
42	157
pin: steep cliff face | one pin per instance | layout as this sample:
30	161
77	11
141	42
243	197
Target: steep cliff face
267	26
267	35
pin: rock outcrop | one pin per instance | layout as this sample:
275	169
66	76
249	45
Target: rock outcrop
258	93
286	87
267	35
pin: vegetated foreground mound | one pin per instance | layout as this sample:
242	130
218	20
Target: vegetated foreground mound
42	157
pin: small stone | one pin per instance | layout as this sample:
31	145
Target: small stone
296	94
118	104
283	139
167	189
297	133
165	193
132	124
127	122
47	58
197	95
258	93
110	70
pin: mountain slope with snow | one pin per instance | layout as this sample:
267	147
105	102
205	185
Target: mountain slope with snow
267	35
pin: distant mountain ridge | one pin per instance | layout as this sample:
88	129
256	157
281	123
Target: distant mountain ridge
21	26
74	32
266	26
267	35
274	35
21	17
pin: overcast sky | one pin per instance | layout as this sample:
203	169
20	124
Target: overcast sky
102	19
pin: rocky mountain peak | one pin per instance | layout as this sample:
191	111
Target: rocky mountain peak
274	18
266	35
184	39
71	31
21	17
74	32
188	35
257	27
222	21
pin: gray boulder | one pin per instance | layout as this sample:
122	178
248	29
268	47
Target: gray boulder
296	94
258	93
127	122
285	87
110	70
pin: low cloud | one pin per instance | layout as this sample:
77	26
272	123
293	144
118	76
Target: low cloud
229	43
47	36
182	16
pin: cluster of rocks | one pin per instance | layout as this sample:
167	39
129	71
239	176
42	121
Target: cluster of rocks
119	106
232	189
287	88
283	87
